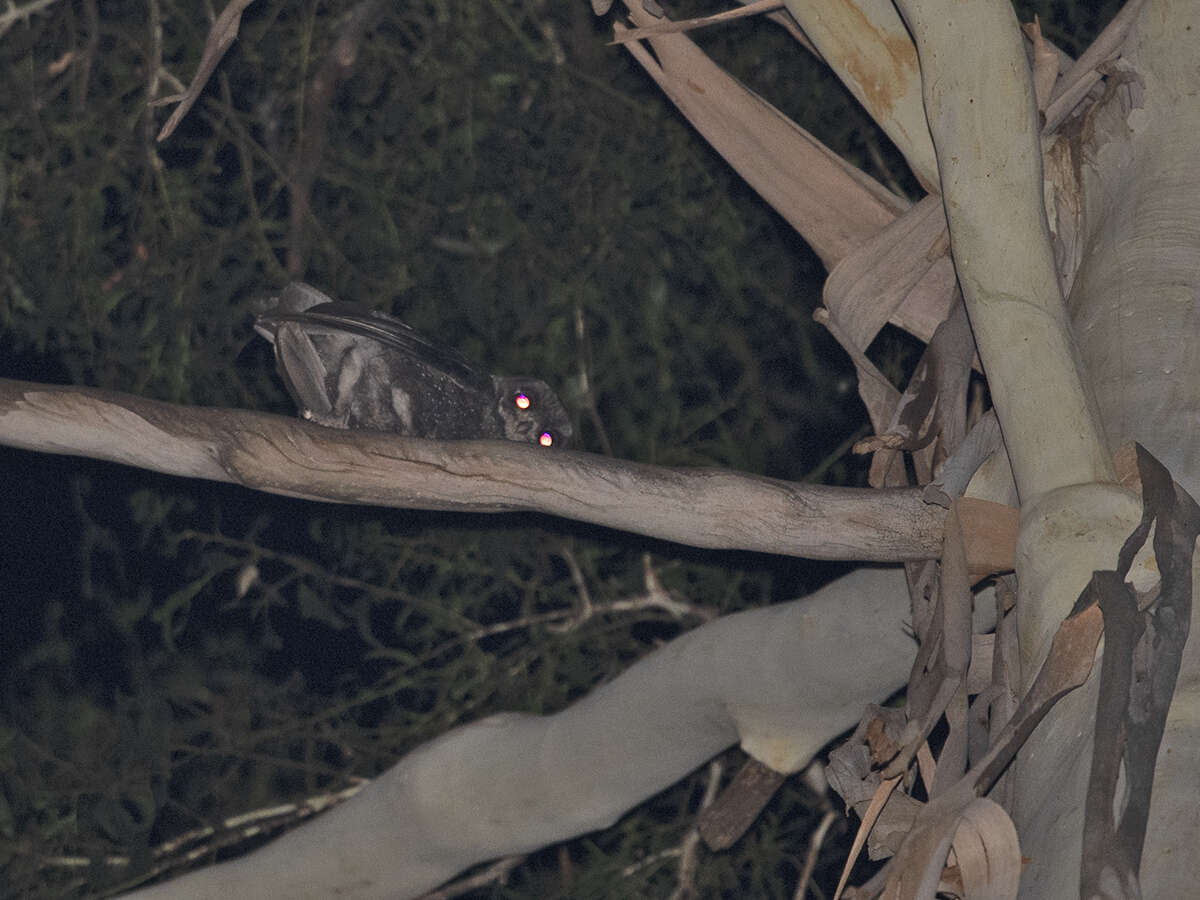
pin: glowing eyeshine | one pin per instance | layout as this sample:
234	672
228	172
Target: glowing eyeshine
522	400
546	439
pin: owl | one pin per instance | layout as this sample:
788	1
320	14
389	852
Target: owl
347	366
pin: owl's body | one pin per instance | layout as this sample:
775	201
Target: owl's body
347	366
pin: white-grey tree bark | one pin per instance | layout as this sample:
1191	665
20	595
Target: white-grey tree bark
1073	378
700	507
781	681
1136	308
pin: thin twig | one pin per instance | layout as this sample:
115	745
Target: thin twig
497	873
15	14
310	145
689	847
668	27
814	852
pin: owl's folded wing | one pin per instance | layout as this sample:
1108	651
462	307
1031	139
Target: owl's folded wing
332	317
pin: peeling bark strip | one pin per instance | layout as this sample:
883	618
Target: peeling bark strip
1143	648
722	824
917	866
700	507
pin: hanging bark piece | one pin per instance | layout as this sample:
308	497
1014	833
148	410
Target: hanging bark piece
918	865
723	823
915	872
831	203
934	404
939	678
853	772
1144	639
902	274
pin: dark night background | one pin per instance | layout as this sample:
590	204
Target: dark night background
494	173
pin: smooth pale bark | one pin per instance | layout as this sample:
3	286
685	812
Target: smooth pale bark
1136	306
983	118
1139	262
980	104
781	681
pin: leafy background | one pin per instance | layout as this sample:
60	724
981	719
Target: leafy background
494	174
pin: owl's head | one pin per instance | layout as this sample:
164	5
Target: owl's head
531	412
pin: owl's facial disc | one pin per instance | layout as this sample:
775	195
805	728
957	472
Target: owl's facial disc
523	402
531	412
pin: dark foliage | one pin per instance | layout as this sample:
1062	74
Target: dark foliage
175	653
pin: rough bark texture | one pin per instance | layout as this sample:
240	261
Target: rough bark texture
701	507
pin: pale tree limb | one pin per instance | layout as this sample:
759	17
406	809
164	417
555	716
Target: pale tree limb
982	113
983	117
701	507
1133	301
780	681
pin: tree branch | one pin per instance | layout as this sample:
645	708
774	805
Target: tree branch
983	117
781	681
701	507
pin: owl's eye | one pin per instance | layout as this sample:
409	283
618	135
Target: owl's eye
522	400
546	439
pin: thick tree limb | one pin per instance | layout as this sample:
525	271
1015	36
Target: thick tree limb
983	118
1134	307
701	507
1134	304
780	681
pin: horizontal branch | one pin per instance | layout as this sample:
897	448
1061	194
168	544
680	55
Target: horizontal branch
702	507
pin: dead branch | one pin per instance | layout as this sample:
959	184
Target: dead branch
701	507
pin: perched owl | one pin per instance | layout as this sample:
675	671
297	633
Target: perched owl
347	366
